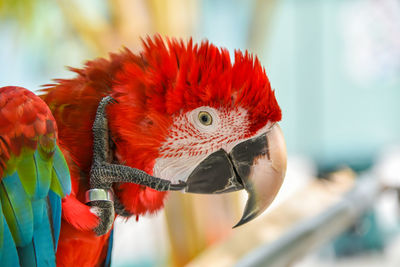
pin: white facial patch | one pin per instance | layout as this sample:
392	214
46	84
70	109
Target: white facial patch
192	138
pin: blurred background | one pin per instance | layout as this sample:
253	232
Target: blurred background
335	66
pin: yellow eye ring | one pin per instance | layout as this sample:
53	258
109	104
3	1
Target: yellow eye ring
205	118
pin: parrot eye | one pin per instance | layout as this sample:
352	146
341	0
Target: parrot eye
205	118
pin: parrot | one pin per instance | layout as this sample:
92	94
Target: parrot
177	115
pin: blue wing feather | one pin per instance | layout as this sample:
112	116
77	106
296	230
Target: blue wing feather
38	207
43	243
1	231
40	250
8	251
31	224
17	209
27	255
8	254
55	208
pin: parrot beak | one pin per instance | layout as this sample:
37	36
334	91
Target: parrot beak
262	170
258	165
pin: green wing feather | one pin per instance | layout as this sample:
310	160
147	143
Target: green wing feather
43	171
60	182
26	170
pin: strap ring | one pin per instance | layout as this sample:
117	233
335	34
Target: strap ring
97	194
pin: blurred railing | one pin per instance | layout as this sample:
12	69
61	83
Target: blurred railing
306	219
317	230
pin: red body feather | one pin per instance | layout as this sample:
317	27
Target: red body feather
165	79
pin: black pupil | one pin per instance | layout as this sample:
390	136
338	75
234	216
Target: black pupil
204	118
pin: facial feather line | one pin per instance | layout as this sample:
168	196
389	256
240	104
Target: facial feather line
188	143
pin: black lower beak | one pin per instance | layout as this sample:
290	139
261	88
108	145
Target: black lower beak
215	174
257	165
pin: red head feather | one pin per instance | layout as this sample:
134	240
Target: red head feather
178	76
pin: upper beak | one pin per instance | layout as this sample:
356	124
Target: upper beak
258	165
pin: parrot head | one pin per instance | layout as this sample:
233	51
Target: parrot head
185	112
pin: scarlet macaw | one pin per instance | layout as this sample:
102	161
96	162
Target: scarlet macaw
180	111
